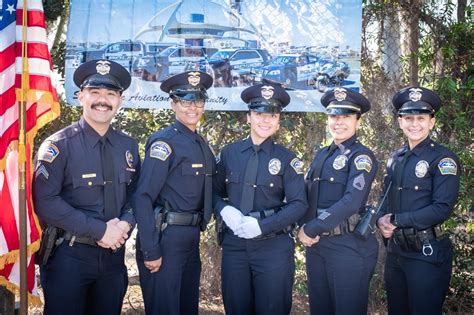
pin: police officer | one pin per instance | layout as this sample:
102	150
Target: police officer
424	178
339	265
177	181
259	195
84	179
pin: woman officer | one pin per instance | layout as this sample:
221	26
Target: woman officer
339	265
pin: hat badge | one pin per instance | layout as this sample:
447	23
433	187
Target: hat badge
415	94
194	78
340	94
103	67
267	91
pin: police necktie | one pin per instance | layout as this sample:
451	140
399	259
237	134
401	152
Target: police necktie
313	187
250	179
400	168
208	160
110	208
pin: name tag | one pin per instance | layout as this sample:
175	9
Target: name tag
92	175
196	165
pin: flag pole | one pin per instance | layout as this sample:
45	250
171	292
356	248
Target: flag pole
22	165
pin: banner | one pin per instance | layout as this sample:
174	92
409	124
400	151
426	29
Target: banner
41	107
308	45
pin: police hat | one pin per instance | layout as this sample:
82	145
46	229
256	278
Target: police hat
189	85
341	101
265	98
105	74
416	100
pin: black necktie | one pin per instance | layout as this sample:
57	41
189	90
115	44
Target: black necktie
397	192
313	187
110	208
207	182
250	179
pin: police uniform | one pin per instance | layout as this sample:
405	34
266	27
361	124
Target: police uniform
172	180
68	190
340	265
419	256
257	273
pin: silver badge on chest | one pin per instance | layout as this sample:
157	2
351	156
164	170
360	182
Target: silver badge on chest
339	162
274	166
421	168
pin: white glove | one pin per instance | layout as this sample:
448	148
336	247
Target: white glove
232	217
249	228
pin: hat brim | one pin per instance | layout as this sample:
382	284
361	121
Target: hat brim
189	95
341	111
261	108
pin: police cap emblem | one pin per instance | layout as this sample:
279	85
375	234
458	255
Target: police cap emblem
160	150
340	94
421	168
415	94
448	166
103	67
194	78
274	166
339	162
267	91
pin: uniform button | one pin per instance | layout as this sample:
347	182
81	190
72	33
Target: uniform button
104	183
432	145
90	183
416	187
197	173
226	180
175	129
75	129
271	184
331	179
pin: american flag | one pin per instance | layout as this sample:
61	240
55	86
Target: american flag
42	106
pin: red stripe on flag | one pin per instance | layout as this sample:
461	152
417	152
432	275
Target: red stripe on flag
8	214
7	99
35	18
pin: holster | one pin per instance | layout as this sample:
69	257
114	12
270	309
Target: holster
407	239
219	229
50	240
160	216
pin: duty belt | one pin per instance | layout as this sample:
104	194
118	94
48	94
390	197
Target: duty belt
410	239
345	227
183	218
67	236
262	214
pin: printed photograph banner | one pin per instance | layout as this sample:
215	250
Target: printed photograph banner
307	45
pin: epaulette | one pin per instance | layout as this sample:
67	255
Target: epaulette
66	133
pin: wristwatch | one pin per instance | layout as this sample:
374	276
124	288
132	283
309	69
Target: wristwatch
393	219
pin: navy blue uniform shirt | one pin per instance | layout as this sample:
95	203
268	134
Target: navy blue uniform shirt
280	182
68	187
344	185
173	171
429	187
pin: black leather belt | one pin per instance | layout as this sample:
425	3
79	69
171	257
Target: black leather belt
410	239
345	227
183	218
262	214
67	236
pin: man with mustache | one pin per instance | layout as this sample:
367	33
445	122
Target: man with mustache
84	177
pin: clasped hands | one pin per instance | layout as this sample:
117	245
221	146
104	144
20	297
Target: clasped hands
116	233
243	226
305	239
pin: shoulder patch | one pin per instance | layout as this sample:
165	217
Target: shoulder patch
363	162
47	152
448	166
297	165
160	150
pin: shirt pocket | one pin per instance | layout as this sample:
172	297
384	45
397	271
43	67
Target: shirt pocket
333	185
414	184
232	177
271	186
88	191
193	169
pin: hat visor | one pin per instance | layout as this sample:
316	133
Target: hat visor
265	108
102	81
340	111
415	111
190	95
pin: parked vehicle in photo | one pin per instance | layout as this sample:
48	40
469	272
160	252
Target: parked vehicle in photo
331	74
291	68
